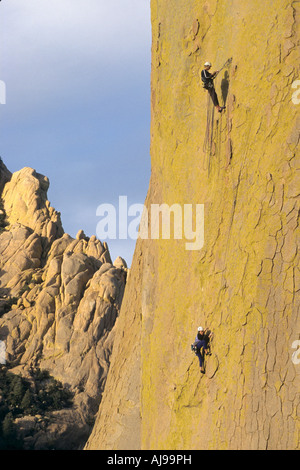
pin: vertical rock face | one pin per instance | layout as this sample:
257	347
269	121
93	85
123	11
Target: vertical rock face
244	283
59	301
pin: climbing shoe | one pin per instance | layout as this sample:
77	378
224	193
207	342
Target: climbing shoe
222	109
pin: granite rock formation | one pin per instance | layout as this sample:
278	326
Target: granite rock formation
59	301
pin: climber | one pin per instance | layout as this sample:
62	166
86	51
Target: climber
201	345
208	83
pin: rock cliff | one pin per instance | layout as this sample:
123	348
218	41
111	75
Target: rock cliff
59	301
243	165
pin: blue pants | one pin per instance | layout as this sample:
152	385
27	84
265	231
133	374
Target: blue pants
201	344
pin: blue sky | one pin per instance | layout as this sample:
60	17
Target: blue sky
77	75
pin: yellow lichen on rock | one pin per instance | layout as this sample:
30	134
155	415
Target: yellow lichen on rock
244	282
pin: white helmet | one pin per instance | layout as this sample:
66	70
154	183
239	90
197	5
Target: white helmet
207	64
200	328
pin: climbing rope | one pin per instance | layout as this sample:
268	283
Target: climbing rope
209	132
235	190
228	62
208	140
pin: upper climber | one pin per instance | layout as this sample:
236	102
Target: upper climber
208	83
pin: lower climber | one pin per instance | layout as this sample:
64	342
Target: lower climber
208	83
201	345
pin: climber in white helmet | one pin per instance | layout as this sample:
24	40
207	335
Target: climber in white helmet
208	83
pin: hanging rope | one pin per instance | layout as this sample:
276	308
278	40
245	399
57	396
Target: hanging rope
209	132
218	139
235	190
208	140
228	62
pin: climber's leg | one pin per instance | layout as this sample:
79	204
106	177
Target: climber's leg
213	96
215	99
201	361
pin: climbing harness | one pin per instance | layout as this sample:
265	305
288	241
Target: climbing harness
207	85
